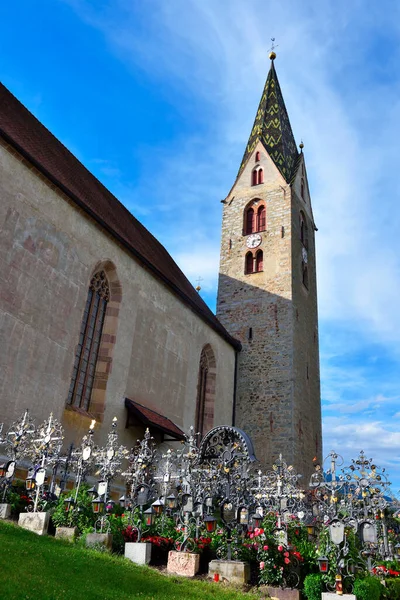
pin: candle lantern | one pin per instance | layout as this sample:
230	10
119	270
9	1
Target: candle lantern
92	491
211	523
157	507
171	501
149	516
98	505
3	469
256	519
323	564
30	483
122	501
68	503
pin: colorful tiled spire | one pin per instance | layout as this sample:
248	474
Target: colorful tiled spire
272	128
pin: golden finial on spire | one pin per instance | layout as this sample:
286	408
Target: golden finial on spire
272	54
301	145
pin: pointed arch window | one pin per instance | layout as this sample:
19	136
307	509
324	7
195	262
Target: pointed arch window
258	156
254	177
303	230
249	263
302	188
206	391
89	341
260	176
259	261
249	226
261	218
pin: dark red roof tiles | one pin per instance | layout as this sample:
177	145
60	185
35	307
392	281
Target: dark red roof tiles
32	140
151	418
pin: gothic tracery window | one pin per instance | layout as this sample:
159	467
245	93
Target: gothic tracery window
89	340
206	391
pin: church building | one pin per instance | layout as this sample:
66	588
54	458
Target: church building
97	320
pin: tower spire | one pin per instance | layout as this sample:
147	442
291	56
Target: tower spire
272	127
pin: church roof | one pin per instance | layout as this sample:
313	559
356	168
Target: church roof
22	131
272	128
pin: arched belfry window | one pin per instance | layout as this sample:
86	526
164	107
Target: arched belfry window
249	221
261	218
258	156
302	188
257	176
259	261
206	391
89	341
249	263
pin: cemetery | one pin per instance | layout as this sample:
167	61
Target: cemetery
204	509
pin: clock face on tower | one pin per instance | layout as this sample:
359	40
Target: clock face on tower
253	240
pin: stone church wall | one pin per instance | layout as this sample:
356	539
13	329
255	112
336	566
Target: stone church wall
49	250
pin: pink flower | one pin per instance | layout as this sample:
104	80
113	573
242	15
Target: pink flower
280	548
287	561
262	565
265	548
286	554
251	536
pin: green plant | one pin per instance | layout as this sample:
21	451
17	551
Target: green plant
392	589
313	586
81	516
368	588
17	497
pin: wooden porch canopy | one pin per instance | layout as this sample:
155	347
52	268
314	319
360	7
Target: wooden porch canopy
151	419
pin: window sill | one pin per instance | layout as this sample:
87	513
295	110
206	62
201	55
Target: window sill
84	413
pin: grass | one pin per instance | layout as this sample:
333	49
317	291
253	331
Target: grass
43	568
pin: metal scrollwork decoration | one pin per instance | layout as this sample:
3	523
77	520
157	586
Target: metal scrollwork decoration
44	450
229	453
16	442
140	483
108	461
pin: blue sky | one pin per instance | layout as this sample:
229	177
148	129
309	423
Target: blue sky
158	98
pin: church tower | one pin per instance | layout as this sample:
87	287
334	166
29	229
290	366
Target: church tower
267	294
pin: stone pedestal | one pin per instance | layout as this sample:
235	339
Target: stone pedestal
104	539
282	593
138	552
37	522
333	596
233	571
183	563
5	511
67	533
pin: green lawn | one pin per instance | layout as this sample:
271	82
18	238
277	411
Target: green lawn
43	568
